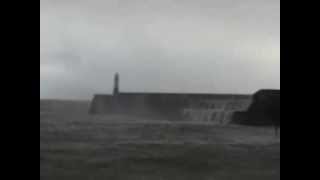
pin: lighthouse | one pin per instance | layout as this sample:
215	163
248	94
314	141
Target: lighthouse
116	85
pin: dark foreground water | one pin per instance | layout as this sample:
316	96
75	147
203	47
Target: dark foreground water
81	147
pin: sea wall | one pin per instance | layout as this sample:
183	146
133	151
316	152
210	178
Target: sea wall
213	108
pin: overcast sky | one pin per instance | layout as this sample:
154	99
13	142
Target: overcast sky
216	46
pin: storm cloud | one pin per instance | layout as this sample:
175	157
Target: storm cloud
226	46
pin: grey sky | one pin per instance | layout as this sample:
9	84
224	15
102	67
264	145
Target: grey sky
225	46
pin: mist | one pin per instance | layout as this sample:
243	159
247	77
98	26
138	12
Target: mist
158	46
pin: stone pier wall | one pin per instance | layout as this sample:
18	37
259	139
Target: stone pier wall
215	108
